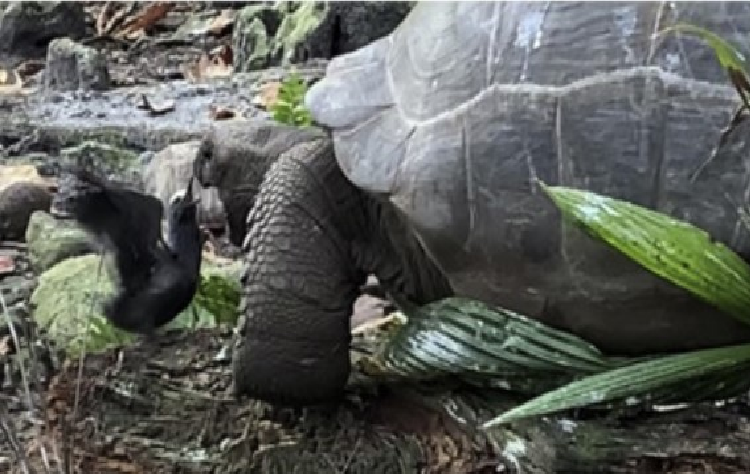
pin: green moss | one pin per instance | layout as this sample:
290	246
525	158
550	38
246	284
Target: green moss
68	303
109	157
51	241
257	39
296	26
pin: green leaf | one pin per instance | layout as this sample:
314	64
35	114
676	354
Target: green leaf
289	107
101	336
731	59
728	55
675	250
220	297
487	346
635	380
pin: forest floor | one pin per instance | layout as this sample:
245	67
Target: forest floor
169	408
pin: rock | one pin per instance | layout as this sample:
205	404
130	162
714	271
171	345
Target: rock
109	159
52	240
202	23
22	191
251	40
69	296
26	28
72	66
17	202
16	290
290	32
44	166
10	174
169	171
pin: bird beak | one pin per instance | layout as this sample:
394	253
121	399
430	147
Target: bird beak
189	193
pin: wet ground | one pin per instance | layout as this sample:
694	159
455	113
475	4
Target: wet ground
170	408
158	67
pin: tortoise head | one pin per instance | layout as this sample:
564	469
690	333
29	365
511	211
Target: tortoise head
207	165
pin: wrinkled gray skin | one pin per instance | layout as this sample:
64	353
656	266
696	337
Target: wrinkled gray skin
315	240
440	131
234	156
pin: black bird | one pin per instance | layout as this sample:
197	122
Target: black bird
157	279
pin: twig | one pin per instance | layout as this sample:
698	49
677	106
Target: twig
15	446
24	382
31	337
351	455
101	19
67	452
24	377
739	115
14	335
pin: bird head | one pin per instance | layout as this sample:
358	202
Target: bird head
184	205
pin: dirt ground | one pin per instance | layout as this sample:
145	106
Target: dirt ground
169	408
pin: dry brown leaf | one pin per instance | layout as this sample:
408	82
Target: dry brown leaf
190	72
222	22
221	113
223	55
206	68
108	24
10	81
269	94
7	347
209	254
101	19
29	68
156	108
216	70
370	322
7	266
10	174
145	20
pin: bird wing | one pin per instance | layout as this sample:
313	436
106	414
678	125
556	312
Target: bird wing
106	207
129	221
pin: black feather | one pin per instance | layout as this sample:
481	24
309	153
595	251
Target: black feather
157	279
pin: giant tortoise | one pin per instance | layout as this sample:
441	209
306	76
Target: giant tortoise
439	133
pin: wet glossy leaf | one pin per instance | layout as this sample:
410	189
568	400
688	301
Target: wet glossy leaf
488	346
673	249
636	380
730	58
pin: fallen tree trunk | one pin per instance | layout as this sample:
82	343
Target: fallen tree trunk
172	411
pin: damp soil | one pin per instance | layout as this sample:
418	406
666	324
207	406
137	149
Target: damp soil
168	406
